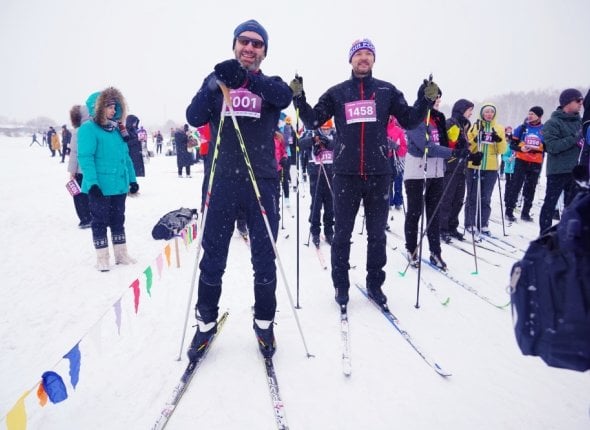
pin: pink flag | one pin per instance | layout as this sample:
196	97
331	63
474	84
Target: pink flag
135	286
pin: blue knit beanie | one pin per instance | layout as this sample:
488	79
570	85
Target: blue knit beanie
357	45
251	25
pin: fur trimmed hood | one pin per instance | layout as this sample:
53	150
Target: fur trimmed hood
97	103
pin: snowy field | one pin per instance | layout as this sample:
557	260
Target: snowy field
53	299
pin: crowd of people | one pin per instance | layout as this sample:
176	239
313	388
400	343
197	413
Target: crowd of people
361	143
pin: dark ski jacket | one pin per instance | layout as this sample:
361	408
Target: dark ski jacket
258	133
361	148
561	141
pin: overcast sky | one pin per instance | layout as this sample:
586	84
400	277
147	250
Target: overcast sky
55	53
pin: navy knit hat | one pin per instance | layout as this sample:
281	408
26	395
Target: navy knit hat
537	110
568	96
357	45
251	25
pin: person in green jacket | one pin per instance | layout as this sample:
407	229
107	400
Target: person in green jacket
108	171
561	134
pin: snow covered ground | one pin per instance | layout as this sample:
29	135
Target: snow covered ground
53	299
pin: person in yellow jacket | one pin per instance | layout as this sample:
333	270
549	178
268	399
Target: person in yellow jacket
488	137
55	143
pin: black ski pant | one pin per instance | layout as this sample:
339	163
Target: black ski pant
556	184
487	180
452	199
321	198
349	191
525	173
107	211
81	203
433	193
231	197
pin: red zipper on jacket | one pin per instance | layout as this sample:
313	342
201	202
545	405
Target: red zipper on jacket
362	158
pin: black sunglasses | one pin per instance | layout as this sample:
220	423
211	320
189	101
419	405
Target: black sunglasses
255	42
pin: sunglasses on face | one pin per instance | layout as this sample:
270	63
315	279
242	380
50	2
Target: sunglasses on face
244	41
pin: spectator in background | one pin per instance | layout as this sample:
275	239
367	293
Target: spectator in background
159	140
183	157
561	133
527	144
108	173
78	115
454	184
397	154
66	137
135	145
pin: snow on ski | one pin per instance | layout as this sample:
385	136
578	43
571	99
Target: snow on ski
344	335
185	380
442	300
464	285
395	322
470	252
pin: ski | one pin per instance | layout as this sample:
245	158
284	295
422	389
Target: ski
346	363
320	255
467	251
395	323
185	380
275	395
464	285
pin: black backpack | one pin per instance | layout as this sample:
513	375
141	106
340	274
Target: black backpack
171	223
551	291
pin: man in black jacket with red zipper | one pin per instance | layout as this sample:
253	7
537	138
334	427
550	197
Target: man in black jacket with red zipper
361	107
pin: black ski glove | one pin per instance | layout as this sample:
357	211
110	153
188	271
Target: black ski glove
495	136
231	73
95	191
475	158
133	187
429	90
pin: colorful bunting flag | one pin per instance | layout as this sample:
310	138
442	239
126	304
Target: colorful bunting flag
135	286
148	280
74	357
16	419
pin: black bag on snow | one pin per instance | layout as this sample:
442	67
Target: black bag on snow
171	223
551	292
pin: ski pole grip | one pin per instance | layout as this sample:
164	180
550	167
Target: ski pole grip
225	92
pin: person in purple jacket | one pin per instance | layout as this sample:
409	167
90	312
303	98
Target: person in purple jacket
257	102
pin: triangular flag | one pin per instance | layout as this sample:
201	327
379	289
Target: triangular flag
117	306
167	253
159	264
16	419
135	286
42	395
148	280
74	357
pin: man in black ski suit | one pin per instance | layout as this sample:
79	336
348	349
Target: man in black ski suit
257	102
361	107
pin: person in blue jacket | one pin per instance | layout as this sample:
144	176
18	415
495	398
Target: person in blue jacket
257	102
361	107
108	171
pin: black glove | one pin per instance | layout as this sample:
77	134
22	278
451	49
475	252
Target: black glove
495	136
231	73
95	191
317	148
133	187
475	158
296	86
460	153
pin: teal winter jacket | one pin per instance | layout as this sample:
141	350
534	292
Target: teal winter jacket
103	155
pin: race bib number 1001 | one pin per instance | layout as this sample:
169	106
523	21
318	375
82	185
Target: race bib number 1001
245	103
360	111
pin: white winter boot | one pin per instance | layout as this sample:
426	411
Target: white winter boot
121	256
102	259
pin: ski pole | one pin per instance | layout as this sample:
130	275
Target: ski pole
313	203
501	203
202	227
297	203
262	210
